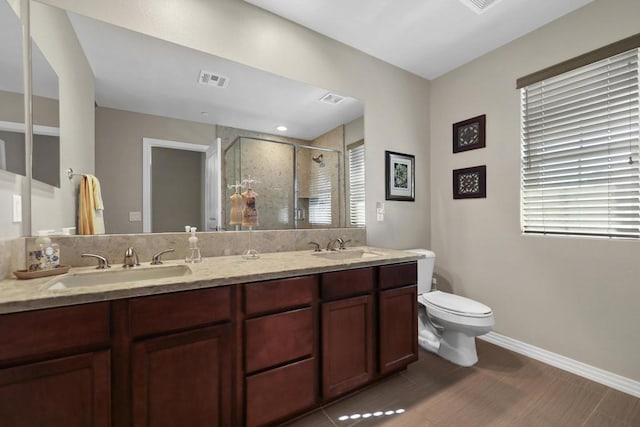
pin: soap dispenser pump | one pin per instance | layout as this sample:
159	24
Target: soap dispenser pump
193	252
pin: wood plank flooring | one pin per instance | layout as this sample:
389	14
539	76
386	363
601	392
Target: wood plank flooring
503	389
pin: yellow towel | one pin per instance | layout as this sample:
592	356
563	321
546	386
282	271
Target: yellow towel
90	206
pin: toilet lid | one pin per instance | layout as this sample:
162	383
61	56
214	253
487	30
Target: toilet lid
456	303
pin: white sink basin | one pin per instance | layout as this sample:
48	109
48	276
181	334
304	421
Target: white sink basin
347	254
114	275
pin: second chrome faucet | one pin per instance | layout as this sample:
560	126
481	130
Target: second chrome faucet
130	258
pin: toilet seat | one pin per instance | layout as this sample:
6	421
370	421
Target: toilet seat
455	304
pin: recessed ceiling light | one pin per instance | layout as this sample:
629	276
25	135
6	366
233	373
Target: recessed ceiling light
281	128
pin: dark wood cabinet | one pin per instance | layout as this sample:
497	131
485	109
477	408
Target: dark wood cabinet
347	344
55	367
63	392
183	379
398	328
248	354
280	349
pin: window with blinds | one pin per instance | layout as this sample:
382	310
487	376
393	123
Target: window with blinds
581	151
355	154
320	209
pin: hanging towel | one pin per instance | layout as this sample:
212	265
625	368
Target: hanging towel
90	206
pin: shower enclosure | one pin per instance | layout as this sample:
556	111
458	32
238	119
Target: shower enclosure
298	186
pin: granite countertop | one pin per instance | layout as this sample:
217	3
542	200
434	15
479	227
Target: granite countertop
23	295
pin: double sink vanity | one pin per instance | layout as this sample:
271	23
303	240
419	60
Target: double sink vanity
224	342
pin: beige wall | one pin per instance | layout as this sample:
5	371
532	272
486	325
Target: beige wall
52	207
119	158
396	112
354	131
574	296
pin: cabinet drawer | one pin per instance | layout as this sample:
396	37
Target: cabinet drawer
280	392
179	310
396	275
278	338
340	284
43	331
276	295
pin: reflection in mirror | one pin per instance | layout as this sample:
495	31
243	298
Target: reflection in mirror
45	110
45	113
46	152
12	150
147	88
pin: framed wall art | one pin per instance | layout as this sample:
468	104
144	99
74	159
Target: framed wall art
469	134
399	176
470	183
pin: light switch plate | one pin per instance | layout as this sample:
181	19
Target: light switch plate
135	216
17	208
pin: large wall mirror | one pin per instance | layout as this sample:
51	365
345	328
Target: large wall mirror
176	132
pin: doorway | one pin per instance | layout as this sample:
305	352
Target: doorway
180	185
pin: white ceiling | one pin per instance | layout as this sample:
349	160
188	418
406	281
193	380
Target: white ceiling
135	72
425	37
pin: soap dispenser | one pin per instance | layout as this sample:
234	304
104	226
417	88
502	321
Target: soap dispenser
193	252
45	255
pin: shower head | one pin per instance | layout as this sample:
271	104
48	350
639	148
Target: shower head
319	159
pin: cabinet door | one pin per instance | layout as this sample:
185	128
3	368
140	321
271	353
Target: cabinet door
66	392
347	344
183	379
398	328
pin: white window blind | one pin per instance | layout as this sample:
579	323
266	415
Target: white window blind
581	151
356	185
320	212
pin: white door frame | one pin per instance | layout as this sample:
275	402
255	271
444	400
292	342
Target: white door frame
147	145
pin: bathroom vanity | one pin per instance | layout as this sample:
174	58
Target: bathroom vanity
292	333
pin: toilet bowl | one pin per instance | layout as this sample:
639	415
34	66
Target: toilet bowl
447	323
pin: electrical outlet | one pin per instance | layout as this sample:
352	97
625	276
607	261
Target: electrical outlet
380	211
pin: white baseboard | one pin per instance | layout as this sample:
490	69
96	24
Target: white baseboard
598	375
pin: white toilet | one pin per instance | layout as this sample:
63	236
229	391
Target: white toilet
447	323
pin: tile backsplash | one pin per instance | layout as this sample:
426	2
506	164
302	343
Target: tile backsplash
12	256
113	246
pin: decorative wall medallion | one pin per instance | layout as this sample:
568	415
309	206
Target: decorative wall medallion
470	183
469	134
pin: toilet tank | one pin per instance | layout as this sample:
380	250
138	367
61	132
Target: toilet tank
425	269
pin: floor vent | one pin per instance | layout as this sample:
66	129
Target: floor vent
479	6
212	79
332	98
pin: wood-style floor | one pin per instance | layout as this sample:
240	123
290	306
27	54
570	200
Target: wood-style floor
503	389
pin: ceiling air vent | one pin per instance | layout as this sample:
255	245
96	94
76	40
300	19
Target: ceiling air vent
479	6
212	79
332	98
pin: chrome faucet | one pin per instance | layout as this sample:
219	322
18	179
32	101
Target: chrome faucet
316	246
155	260
331	246
343	243
130	258
103	262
